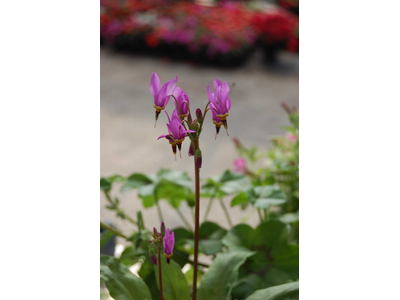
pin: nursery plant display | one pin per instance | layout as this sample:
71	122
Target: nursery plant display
225	33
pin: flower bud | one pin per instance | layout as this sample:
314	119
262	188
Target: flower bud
199	115
153	256
155	233
198	158
162	229
191	153
194	125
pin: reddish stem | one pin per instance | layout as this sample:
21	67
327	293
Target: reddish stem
197	217
159	272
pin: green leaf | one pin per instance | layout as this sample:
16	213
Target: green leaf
290	217
240	236
116	178
247	285
175	286
146	193
239	199
218	282
272	234
105	237
131	256
105	184
134	181
266	203
210	247
228	176
122	283
171	192
177	177
276	292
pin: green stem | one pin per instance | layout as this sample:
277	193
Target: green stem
126	216
208	208
159	211
184	220
109	228
259	214
226	212
265	215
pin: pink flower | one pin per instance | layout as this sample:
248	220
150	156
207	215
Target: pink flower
292	137
161	94
240	165
169	240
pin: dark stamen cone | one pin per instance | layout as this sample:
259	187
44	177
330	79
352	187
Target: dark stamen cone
226	126
217	128
179	148
157	114
168	260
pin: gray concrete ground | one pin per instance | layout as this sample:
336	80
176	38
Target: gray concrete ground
129	140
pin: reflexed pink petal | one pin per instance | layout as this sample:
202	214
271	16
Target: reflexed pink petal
155	84
162	136
228	104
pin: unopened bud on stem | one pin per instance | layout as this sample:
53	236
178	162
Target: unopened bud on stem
198	158
199	115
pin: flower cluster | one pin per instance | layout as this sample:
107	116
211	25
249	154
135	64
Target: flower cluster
164	238
219	102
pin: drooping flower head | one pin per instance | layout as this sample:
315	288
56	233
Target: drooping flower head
169	240
183	102
161	94
176	132
220	101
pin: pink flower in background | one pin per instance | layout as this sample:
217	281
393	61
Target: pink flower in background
240	165
292	137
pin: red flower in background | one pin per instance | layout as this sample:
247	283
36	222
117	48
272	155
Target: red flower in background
151	40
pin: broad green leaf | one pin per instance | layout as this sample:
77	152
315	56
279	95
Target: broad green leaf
276	292
210	230
240	236
147	273
228	176
175	286
290	217
177	177
146	193
266	203
134	181
171	192
239	199
122	283
210	247
181	234
131	255
222	275
234	186
116	178
105	184
271	234
247	285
